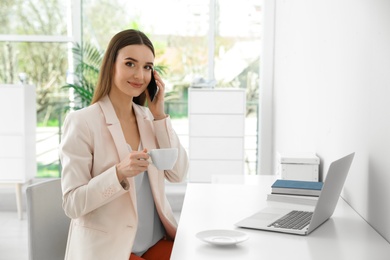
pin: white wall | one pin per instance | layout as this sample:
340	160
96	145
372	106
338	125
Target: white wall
332	93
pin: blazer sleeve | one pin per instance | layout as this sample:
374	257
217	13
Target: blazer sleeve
167	138
82	193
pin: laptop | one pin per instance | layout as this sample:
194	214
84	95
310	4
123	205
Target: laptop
303	222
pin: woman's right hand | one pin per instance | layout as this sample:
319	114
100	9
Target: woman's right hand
135	163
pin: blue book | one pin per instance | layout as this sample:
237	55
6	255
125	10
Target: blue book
294	187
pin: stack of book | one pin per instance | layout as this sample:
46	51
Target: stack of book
294	191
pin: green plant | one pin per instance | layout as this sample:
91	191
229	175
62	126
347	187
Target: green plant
88	59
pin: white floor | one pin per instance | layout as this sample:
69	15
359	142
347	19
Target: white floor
14	232
13	236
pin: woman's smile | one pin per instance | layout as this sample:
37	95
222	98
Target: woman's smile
135	84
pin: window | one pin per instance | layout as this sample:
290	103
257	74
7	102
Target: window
34	46
206	41
35	17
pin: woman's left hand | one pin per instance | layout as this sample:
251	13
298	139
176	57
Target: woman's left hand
157	106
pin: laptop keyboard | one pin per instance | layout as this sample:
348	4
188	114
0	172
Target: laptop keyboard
293	220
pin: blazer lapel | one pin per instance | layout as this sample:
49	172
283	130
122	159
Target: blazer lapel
114	127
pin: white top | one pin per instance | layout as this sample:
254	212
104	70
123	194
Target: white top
150	229
219	206
298	158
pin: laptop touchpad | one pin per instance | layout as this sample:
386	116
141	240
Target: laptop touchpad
265	216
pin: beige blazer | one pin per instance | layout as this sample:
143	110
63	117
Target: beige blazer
104	215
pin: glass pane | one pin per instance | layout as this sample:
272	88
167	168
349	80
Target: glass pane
237	59
180	40
43	65
40	17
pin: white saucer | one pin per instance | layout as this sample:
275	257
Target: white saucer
222	237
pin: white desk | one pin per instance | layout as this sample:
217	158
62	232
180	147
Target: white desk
218	206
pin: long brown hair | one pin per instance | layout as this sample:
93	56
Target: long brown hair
120	40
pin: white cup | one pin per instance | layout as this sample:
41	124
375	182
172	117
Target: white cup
164	159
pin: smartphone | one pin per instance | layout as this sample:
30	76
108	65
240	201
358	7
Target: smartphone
152	87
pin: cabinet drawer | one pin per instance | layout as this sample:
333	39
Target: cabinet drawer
202	171
217	125
217	101
11	169
216	148
12	110
11	146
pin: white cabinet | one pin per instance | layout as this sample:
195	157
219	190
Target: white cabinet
216	132
17	136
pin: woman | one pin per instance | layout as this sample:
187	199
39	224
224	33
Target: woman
115	198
